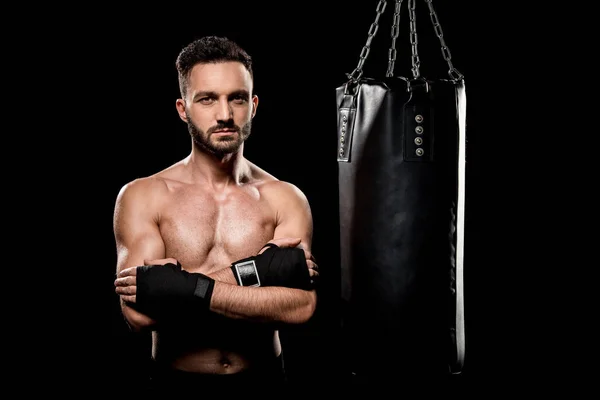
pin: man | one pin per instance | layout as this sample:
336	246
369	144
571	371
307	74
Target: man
192	225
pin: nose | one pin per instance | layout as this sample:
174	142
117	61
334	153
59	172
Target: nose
224	111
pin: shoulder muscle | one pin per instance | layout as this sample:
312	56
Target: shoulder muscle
137	203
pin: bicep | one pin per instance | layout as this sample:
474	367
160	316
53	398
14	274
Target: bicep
137	238
137	234
132	251
294	218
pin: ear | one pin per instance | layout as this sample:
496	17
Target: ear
180	106
254	105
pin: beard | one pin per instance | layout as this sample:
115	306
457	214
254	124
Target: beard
223	145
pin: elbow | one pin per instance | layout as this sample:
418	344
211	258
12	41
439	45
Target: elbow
136	325
136	321
306	311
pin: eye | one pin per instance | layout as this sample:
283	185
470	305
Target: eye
205	100
240	99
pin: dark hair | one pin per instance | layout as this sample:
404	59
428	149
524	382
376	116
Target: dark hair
209	49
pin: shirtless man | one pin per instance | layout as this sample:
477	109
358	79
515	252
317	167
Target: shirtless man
206	212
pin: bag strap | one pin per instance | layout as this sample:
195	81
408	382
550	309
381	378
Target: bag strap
357	73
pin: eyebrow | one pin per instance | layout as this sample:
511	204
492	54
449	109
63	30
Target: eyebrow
241	92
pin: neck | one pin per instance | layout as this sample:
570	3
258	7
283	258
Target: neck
216	170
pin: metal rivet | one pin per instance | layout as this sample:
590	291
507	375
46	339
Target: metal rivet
418	141
419	118
419	151
419	130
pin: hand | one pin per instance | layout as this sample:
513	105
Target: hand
313	268
126	285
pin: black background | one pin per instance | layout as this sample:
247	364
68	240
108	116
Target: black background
302	52
114	87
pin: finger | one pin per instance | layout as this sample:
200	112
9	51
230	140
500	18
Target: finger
126	281
126	290
128	299
312	265
312	273
132	271
308	255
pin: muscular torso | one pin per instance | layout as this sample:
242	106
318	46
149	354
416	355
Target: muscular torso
207	229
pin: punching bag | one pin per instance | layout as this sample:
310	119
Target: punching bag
401	165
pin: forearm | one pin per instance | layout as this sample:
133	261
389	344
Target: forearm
264	304
224	275
136	321
285	294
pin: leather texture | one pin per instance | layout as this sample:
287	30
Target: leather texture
398	166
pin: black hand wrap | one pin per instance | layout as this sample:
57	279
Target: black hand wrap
166	290
276	266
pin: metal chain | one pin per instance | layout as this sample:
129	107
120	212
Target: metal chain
358	71
453	72
416	62
395	31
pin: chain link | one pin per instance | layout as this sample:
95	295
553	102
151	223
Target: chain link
416	62
358	71
453	72
395	32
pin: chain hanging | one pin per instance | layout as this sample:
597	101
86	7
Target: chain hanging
415	60
452	72
395	31
358	71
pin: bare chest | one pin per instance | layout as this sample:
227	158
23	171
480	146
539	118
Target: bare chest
207	231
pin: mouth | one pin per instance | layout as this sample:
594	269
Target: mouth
224	132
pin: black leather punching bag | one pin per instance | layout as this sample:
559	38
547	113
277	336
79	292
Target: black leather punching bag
401	159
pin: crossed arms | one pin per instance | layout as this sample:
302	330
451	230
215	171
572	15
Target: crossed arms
139	242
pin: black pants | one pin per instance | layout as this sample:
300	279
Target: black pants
269	378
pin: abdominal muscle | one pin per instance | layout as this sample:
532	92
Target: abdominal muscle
235	356
213	343
207	231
